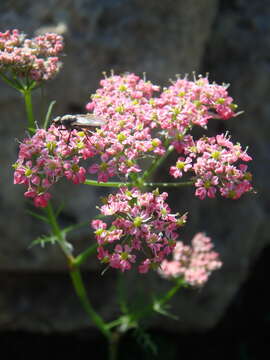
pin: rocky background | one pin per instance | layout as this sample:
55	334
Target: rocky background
229	39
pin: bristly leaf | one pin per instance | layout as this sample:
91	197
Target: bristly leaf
145	341
43	240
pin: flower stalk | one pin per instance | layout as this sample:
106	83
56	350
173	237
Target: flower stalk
80	290
27	94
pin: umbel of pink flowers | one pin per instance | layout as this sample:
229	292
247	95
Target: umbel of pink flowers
140	123
142	224
193	263
33	59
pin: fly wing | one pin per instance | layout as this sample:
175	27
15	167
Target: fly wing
88	120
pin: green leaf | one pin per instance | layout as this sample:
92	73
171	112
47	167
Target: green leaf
37	216
43	240
157	307
48	115
75	227
59	209
10	82
32	130
32	85
144	339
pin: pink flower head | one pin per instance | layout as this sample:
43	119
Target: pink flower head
34	59
47	157
218	165
193	263
142	222
140	124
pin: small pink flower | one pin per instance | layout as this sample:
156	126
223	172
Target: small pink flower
42	200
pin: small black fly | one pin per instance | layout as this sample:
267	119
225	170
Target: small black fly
78	122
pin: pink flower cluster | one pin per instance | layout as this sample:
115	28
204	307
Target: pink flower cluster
193	263
187	103
35	59
137	129
140	125
217	164
45	158
127	137
142	222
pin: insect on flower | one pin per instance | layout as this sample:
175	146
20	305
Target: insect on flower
78	122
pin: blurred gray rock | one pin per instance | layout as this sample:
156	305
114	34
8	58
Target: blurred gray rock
161	39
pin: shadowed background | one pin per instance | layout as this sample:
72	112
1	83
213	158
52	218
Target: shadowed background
229	39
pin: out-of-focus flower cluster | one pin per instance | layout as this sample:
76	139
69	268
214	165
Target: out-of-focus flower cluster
140	125
34	59
193	263
142	223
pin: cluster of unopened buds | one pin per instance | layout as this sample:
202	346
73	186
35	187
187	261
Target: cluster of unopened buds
193	263
35	59
142	222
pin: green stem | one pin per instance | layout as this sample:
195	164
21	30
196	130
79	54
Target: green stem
80	259
164	299
108	183
129	184
29	110
157	303
9	82
82	295
57	232
115	323
52	220
164	184
156	163
113	346
75	274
